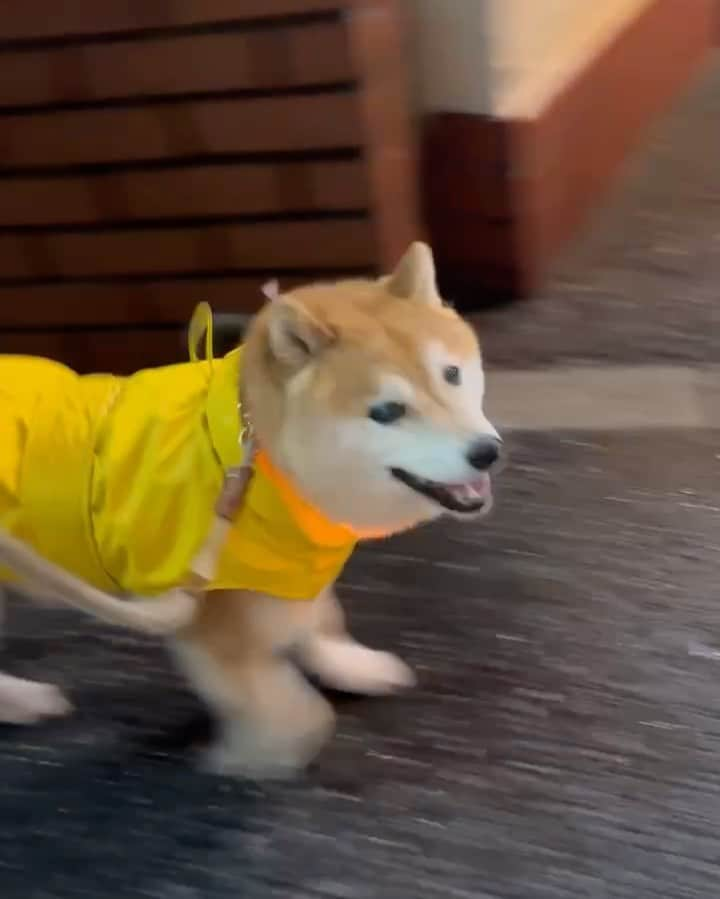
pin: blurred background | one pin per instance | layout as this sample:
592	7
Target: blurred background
562	157
155	154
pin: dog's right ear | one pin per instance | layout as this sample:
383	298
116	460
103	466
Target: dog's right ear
414	276
295	335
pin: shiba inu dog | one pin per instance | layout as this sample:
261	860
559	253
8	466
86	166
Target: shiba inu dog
363	399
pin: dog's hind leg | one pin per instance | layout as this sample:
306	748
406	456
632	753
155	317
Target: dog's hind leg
271	721
338	661
25	701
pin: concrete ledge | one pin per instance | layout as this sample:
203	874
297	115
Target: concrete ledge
605	398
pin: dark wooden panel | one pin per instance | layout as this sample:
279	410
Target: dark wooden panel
161	131
114	303
295	245
185	191
464	236
270	58
40	19
471	150
119	351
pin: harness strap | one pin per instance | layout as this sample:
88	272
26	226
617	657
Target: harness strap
237	479
201	325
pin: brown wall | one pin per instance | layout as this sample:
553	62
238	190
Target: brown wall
156	154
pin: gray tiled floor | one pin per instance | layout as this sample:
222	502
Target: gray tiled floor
564	740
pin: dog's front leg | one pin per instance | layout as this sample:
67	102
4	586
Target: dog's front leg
272	721
329	653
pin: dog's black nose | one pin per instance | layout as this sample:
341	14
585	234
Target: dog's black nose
484	453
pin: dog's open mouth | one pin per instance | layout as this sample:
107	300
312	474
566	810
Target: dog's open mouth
462	498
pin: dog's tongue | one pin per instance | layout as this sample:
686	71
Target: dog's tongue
472	490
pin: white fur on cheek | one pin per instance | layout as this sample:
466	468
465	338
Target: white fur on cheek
435	450
466	398
341	466
429	452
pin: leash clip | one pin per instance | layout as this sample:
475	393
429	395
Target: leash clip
238	477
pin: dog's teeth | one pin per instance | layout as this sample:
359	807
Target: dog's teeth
465	494
468	494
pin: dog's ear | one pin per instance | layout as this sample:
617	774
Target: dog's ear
295	335
414	277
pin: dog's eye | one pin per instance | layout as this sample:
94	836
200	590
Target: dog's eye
451	373
387	413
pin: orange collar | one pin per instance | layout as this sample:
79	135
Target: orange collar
321	529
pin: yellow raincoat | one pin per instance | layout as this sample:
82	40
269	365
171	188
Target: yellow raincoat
115	479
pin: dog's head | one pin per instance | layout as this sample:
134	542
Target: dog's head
369	394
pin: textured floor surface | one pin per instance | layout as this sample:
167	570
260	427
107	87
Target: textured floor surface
564	740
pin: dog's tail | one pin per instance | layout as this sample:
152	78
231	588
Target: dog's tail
159	615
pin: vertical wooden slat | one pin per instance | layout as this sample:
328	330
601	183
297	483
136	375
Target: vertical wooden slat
375	33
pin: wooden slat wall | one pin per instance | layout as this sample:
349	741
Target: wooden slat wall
294	56
23	21
153	154
184	191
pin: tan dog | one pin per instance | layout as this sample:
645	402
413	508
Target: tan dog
368	397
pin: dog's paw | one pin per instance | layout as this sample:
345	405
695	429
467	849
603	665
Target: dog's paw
28	702
227	761
275	747
343	664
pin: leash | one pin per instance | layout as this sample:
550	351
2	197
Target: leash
237	478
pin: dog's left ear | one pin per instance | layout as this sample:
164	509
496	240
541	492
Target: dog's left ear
414	276
295	335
